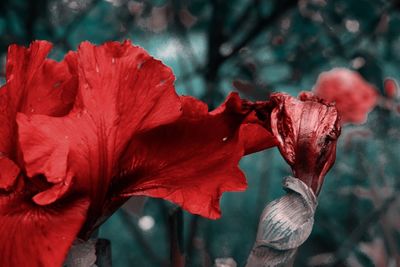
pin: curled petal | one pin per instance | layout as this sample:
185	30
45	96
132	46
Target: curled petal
190	162
284	225
287	222
50	158
35	85
354	97
54	192
307	130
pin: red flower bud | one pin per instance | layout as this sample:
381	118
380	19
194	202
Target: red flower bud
307	130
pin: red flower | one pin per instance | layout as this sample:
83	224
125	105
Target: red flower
354	97
78	137
307	130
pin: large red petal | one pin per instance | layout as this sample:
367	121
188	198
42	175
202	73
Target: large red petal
36	236
39	85
123	87
190	162
122	91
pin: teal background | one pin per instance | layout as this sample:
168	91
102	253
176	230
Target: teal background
255	47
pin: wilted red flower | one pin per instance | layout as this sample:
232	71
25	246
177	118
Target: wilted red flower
354	97
307	130
80	136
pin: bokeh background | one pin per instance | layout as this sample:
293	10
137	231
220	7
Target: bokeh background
255	47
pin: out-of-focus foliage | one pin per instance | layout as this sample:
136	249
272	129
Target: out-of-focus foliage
257	47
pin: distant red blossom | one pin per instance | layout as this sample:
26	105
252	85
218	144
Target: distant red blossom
354	97
80	136
391	88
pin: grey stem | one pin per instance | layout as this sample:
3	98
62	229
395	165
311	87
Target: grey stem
284	225
90	253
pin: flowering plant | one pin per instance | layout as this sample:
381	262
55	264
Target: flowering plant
80	136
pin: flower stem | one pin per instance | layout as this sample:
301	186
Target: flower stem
176	238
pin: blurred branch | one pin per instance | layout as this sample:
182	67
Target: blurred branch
177	255
63	39
343	252
189	75
30	20
182	32
190	243
339	46
241	20
377	198
81	16
262	193
217	38
281	8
